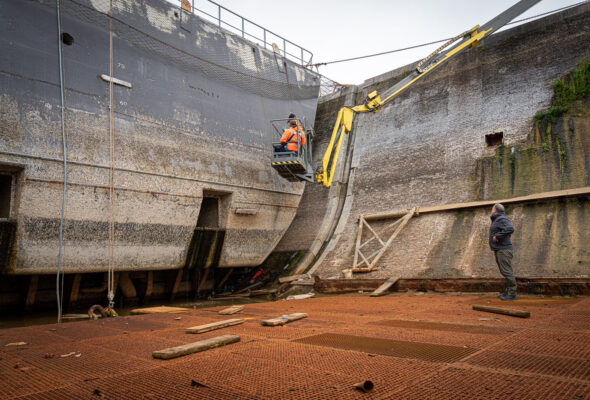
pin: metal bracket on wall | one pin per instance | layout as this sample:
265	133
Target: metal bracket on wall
185	16
115	81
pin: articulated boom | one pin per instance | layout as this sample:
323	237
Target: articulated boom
440	56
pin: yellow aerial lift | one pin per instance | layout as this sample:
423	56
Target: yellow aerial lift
374	102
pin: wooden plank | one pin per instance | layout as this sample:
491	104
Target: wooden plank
503	311
291	278
195	347
393	236
382	231
308	282
381	290
373	232
373	254
203	279
31	293
127	286
365	260
214	325
75	292
557	194
176	285
364	270
359	234
285	319
262	292
161	309
220	285
231	310
149	287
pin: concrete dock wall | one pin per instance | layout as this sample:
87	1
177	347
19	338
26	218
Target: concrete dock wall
427	147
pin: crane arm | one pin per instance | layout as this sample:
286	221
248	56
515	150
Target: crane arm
374	102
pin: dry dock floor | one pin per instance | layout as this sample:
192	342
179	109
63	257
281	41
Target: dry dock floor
410	346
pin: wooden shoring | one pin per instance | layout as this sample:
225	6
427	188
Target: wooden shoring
374	257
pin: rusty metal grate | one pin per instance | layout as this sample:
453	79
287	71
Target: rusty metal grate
20	378
454	383
137	345
377	368
131	324
393	348
85	330
441	326
93	362
158	383
539	364
32	335
531	301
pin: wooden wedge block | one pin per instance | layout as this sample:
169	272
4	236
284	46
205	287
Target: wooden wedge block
504	311
285	319
195	347
231	310
364	270
214	325
161	309
381	290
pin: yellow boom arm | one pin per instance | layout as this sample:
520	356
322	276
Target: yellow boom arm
373	102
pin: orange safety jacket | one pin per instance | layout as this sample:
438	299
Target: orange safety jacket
291	138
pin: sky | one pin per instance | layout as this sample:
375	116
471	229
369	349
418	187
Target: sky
337	29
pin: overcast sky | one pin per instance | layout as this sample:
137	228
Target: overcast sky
336	29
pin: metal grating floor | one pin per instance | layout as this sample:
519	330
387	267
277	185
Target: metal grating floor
393	348
440	326
411	347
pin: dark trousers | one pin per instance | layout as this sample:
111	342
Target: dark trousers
504	260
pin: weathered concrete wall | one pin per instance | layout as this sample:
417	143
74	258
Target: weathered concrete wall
427	147
196	118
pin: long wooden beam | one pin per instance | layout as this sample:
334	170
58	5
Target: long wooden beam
557	194
195	347
214	325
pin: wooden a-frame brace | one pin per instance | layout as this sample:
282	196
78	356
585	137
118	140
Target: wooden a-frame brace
372	259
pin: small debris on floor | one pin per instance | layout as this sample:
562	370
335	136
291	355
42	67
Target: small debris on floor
300	296
197	383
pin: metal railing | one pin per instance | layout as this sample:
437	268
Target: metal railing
235	23
328	86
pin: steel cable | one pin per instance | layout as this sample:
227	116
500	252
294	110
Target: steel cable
58	284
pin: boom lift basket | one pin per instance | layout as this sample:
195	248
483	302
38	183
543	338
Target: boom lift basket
291	165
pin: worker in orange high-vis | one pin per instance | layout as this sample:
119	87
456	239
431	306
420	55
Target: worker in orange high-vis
293	137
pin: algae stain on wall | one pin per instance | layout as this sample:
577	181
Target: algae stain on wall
555	155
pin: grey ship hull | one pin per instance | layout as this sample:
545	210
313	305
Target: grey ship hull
194	123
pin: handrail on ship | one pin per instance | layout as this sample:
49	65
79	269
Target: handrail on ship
300	58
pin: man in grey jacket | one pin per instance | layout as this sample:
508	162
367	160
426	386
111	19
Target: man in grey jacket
500	243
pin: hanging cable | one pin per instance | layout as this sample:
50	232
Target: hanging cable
441	40
111	271
58	284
